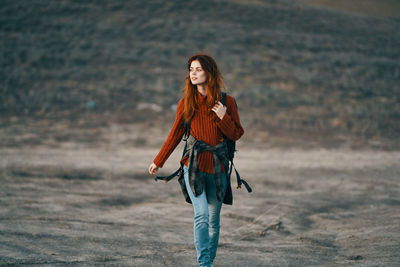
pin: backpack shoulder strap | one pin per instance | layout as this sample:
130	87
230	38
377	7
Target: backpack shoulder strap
187	129
223	98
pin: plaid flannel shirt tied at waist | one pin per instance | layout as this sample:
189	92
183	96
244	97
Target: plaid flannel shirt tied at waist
196	179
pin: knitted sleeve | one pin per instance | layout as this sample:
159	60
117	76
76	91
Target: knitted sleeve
230	123
174	137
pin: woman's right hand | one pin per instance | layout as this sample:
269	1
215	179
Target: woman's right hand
153	168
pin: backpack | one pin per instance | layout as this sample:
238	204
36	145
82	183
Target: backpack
231	145
231	149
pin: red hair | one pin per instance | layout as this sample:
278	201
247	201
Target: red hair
214	83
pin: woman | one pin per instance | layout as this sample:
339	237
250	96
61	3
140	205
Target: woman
210	121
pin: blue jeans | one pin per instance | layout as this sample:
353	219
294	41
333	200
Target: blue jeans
206	218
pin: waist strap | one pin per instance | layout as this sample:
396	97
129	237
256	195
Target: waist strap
220	152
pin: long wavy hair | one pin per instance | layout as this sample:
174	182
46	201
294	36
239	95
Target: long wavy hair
214	84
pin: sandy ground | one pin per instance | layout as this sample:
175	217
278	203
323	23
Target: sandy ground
76	205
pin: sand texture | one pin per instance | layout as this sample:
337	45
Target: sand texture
97	206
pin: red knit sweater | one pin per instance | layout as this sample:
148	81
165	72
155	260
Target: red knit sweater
202	128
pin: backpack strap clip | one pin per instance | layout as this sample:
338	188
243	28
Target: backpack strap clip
240	181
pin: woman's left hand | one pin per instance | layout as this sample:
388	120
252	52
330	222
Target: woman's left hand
219	109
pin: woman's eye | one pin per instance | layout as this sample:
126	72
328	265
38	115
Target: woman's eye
194	70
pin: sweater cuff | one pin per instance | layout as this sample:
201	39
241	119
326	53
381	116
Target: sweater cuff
158	162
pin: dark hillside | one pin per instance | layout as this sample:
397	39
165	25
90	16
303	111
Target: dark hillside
299	73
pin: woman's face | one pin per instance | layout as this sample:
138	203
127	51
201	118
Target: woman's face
197	74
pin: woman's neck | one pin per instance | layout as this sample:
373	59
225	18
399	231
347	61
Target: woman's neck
202	89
